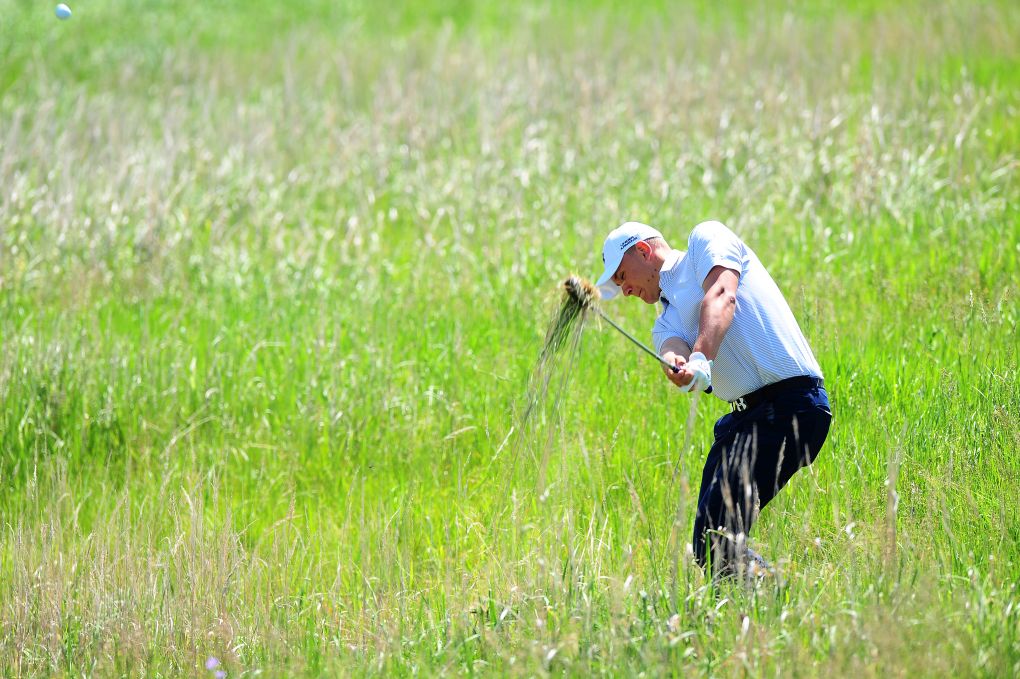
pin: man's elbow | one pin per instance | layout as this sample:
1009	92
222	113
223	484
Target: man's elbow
727	299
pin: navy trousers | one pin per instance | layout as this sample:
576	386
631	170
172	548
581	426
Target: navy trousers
754	455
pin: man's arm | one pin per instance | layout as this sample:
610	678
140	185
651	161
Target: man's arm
717	308
675	351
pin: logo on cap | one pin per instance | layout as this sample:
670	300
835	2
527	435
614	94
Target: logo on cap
627	243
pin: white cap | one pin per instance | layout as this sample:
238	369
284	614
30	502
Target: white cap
618	242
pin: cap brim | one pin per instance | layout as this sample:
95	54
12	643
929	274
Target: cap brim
609	290
605	283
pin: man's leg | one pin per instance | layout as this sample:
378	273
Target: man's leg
702	523
803	434
750	461
727	502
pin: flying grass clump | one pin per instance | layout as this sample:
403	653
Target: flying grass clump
583	292
579	297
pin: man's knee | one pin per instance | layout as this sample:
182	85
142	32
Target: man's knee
698	545
725	512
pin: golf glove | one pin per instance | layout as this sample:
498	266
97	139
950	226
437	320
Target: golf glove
702	369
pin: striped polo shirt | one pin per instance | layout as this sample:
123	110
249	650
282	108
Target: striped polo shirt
764	343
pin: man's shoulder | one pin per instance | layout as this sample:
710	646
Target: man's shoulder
709	230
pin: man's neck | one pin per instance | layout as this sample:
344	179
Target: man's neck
658	257
668	259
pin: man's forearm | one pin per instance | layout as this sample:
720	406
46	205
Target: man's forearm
716	316
676	346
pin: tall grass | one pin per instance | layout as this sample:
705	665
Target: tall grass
272	284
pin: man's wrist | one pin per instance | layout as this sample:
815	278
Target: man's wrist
701	368
700	347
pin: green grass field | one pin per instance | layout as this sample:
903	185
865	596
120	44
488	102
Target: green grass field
274	278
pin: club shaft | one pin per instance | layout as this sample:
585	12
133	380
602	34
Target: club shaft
637	342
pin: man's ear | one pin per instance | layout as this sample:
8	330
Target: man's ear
644	248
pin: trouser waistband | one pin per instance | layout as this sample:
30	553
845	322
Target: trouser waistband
770	391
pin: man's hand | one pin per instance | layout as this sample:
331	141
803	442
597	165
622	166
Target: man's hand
681	377
698	373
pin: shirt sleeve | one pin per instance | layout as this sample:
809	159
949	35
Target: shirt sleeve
662	330
712	244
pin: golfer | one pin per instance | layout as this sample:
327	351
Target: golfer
727	328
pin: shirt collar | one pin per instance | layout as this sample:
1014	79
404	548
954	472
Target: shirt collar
670	262
668	269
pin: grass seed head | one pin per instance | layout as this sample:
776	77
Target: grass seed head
579	297
582	291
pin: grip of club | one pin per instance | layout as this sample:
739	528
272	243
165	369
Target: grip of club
675	370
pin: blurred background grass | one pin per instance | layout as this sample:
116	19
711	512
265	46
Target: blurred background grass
273	279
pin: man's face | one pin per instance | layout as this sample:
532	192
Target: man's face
637	276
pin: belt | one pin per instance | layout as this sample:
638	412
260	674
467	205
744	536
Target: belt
770	391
